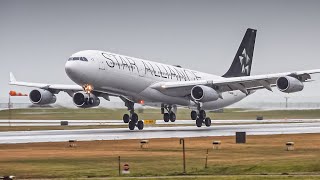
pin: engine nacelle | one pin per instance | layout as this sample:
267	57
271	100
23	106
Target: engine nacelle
204	93
84	100
42	97
289	84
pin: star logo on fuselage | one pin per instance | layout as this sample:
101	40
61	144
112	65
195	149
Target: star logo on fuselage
245	62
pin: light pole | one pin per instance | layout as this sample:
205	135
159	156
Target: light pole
286	101
119	166
206	165
184	155
13	93
9	106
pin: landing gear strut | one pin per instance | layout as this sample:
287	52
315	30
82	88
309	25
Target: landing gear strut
133	118
200	117
169	115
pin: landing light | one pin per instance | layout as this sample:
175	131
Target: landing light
88	88
141	102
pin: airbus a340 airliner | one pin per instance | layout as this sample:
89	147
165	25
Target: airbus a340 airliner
103	74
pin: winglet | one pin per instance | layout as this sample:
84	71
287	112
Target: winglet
12	78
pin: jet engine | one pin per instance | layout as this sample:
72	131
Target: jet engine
42	97
204	93
289	84
85	100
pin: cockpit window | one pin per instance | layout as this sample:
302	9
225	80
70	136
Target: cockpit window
77	59
83	59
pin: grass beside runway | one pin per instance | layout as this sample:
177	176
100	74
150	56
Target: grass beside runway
111	114
262	155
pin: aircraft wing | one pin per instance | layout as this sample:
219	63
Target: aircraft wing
56	88
244	83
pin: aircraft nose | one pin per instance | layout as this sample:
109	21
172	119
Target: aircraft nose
68	68
72	70
75	71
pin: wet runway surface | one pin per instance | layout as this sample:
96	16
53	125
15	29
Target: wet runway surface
22	122
156	132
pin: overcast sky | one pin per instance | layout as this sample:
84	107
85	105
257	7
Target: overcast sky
37	37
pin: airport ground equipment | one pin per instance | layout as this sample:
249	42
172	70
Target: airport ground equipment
126	169
149	121
64	123
144	144
241	137
259	118
72	143
289	146
216	145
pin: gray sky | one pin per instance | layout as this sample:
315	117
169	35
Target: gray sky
37	37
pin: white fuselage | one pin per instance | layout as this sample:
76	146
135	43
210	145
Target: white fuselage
132	77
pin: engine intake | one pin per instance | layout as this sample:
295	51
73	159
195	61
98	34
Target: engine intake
42	97
84	100
289	84
204	93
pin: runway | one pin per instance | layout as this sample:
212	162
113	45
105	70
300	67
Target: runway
25	122
155	132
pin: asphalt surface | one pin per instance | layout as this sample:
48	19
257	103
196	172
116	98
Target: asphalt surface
155	132
25	122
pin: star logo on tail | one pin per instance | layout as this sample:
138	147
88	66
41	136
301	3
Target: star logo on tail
245	62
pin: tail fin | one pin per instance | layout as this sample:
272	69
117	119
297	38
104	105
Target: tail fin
12	78
241	65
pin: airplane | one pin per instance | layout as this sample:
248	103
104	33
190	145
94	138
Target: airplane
100	74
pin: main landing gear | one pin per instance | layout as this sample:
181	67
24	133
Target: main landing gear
133	118
169	115
200	117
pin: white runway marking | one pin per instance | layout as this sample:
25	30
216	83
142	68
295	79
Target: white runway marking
155	132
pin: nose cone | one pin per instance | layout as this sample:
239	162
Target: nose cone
72	71
68	68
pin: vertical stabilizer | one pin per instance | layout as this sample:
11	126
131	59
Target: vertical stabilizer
12	78
241	65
